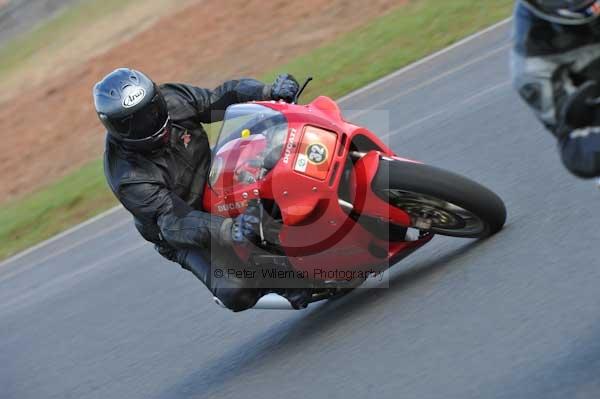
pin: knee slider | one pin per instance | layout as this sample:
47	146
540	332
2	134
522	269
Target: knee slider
238	299
581	155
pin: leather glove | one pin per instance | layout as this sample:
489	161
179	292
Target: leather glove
581	109
244	229
284	88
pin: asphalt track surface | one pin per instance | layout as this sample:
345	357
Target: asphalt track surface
96	313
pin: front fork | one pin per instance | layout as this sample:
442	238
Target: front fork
364	200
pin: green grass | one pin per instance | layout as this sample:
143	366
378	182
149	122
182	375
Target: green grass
54	33
54	208
405	35
349	62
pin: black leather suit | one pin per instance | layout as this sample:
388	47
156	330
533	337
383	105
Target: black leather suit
163	189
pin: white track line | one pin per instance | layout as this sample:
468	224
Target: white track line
341	100
62	250
61	235
426	59
449	109
428	82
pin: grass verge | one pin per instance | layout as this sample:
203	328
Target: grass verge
387	43
405	35
53	209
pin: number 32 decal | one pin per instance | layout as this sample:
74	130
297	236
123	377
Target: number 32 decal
316	153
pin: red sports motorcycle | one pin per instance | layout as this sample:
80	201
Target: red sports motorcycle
336	204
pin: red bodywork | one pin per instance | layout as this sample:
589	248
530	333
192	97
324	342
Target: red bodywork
317	233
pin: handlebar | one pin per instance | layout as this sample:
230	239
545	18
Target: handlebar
308	80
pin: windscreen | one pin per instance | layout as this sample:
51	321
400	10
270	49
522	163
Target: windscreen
252	137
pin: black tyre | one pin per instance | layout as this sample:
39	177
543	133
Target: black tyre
440	201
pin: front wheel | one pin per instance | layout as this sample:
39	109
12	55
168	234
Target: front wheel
439	201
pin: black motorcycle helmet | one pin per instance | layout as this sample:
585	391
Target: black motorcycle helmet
133	110
565	12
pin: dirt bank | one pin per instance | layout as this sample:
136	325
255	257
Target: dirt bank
51	129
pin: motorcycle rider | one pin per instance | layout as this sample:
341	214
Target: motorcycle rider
556	70
156	161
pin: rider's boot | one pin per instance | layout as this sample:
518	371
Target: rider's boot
236	294
299	298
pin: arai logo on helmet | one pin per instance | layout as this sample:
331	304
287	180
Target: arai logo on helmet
133	95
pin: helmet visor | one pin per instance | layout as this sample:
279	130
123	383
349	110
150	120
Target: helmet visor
150	143
145	122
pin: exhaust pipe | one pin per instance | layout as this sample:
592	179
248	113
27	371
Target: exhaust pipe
267	302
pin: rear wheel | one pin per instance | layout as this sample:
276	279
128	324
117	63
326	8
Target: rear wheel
439	201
